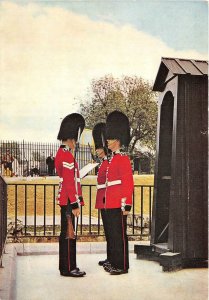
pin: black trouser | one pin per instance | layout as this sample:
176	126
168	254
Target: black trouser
67	247
117	236
105	225
50	170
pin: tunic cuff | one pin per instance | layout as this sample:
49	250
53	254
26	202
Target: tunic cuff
124	206
127	207
81	199
75	205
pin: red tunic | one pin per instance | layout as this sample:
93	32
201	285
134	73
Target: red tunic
120	183
70	186
101	180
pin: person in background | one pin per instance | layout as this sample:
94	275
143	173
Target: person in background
34	171
15	167
69	193
7	162
50	164
99	136
119	190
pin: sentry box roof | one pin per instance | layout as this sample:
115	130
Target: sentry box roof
172	67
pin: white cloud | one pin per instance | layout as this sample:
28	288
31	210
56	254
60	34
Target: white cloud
49	57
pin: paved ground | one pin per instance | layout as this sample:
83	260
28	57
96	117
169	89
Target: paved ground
37	277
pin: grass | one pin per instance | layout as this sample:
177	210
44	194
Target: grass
35	196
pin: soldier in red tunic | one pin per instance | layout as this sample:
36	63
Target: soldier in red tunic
69	193
99	136
119	189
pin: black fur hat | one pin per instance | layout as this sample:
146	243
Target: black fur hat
118	128
70	126
99	135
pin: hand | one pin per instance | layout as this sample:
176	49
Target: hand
125	212
76	212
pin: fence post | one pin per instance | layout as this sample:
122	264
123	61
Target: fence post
3	217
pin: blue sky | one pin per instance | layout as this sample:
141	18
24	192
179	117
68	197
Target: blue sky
52	50
180	24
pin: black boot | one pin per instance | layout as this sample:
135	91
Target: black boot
115	271
107	266
74	273
102	262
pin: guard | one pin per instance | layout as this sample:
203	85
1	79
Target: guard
100	141
119	189
69	193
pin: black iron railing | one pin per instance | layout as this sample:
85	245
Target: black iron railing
29	158
32	211
3	216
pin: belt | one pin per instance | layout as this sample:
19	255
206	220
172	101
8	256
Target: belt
108	183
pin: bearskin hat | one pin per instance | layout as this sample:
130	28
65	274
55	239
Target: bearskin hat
70	126
118	128
99	135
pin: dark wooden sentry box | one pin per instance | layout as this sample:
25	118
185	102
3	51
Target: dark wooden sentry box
180	210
